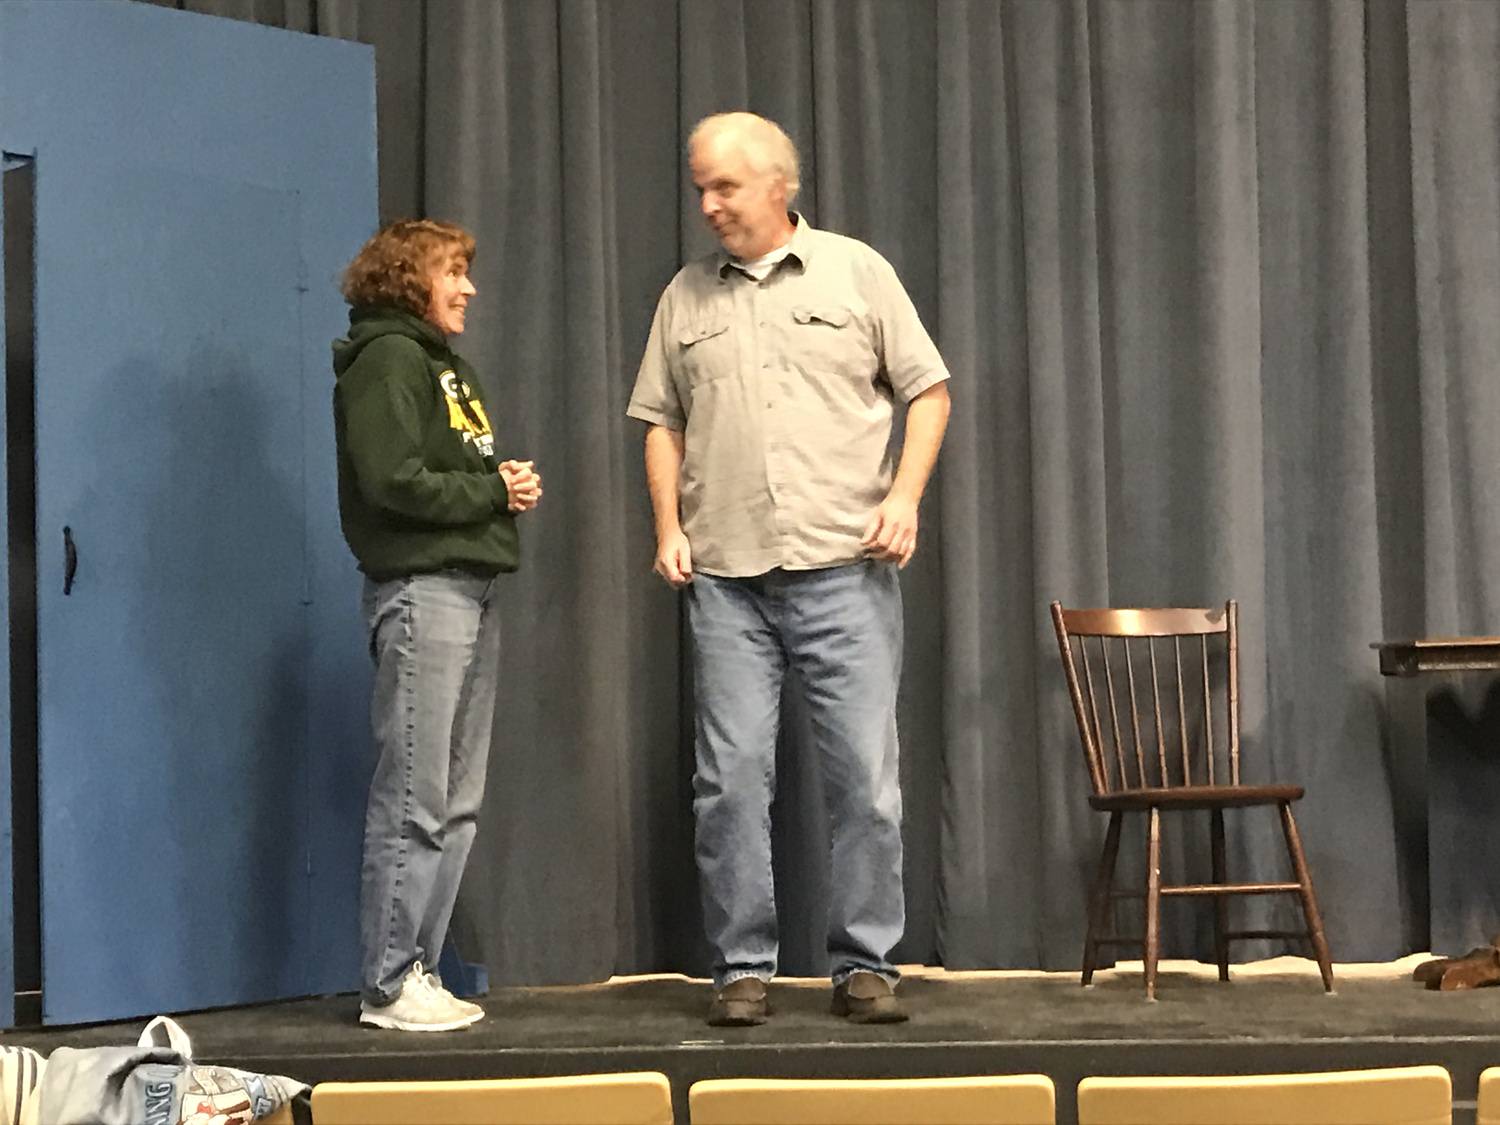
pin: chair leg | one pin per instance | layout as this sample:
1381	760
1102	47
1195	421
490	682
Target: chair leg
1309	900
1099	897
1221	908
1153	900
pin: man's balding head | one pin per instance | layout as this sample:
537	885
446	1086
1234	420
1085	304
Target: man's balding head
745	170
763	143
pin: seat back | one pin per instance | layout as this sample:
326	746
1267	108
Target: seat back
1412	1095
1021	1099
1488	1110
1155	693
593	1099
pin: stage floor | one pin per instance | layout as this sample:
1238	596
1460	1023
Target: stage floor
1273	1016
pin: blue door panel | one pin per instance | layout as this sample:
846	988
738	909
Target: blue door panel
191	159
172	673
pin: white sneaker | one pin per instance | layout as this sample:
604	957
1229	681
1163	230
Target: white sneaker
472	1010
419	1007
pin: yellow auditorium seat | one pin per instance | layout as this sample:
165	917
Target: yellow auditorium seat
1488	1112
1020	1099
1408	1095
592	1099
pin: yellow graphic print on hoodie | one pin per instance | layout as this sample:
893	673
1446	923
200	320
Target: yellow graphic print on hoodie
472	422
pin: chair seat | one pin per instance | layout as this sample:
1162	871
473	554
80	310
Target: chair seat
1196	797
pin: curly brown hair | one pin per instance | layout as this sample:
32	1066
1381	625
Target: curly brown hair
395	266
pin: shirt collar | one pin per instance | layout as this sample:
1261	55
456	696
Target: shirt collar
800	247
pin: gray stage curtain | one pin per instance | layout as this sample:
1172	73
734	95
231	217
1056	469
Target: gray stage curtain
1218	285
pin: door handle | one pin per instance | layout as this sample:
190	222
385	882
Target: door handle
70	560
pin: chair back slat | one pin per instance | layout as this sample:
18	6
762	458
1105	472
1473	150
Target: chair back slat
1135	714
1161	737
1205	713
1094	739
1114	713
1208	703
1187	761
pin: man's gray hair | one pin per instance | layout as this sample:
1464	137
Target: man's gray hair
765	144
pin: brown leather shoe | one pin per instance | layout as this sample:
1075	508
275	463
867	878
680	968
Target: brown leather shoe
867	998
1431	972
740	1003
1474	969
1478	970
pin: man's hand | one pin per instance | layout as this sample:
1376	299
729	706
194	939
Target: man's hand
891	534
674	559
523	484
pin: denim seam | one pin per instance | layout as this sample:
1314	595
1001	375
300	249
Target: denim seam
407	696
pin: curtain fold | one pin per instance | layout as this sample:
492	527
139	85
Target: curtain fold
1455	131
1218	284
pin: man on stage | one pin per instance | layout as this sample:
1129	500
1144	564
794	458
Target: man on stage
768	386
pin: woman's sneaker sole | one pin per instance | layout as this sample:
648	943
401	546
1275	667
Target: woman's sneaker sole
390	1023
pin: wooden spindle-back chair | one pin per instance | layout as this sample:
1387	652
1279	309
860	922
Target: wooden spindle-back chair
1156	696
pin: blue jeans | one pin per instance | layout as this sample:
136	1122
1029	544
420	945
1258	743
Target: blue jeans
435	639
839	632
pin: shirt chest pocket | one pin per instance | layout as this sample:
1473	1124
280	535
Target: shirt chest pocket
705	350
828	339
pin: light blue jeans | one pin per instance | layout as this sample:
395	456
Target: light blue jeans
839	632
435	639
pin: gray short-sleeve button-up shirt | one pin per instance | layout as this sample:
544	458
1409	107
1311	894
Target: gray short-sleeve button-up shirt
783	389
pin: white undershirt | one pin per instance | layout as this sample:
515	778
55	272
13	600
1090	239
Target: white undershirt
760	268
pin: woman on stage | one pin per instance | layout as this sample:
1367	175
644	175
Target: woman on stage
431	517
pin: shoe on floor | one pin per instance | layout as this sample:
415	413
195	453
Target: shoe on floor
464	1006
867	998
741	1003
418	1007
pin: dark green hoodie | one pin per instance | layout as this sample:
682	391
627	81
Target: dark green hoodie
415	493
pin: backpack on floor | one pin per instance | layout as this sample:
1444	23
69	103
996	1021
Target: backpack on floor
155	1082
